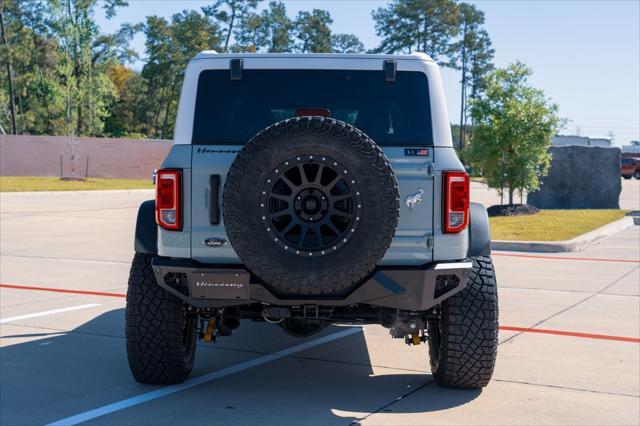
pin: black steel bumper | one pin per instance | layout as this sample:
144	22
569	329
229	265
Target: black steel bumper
405	288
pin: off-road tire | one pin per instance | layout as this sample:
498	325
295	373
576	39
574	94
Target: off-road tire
463	344
341	269
161	339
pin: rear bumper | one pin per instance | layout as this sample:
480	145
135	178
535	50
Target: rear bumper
406	288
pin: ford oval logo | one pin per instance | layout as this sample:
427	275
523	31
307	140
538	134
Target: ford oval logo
215	242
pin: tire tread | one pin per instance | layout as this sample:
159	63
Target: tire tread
154	328
469	335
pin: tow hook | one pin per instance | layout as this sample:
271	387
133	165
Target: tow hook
415	339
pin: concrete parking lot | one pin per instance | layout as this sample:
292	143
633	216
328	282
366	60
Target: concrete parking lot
569	353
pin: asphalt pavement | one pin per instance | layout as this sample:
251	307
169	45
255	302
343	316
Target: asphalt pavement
569	353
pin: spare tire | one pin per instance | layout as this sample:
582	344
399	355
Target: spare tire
310	206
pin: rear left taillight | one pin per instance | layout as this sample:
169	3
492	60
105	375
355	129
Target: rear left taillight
456	201
169	199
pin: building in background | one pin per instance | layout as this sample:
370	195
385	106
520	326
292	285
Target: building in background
568	140
632	148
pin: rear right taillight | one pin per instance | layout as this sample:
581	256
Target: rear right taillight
456	201
169	199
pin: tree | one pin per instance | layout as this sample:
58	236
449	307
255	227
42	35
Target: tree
229	13
115	47
424	25
270	31
127	113
6	57
346	43
59	62
313	32
83	62
513	127
472	55
481	63
32	52
169	47
279	28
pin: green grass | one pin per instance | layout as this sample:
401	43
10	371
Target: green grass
551	225
35	183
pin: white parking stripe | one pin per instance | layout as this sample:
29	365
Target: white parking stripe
168	390
51	312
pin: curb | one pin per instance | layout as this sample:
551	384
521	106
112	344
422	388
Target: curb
579	243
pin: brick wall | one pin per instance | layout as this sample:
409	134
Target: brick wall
110	158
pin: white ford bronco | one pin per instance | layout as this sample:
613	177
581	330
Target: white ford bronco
309	190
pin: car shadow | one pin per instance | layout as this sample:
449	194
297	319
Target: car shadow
62	374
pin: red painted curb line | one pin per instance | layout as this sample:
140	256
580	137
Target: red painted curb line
504	327
62	290
588	259
571	333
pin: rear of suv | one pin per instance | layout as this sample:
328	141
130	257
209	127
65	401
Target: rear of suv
630	167
308	190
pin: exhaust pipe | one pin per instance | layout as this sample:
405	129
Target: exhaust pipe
230	321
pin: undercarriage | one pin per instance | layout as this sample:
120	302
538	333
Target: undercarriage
402	299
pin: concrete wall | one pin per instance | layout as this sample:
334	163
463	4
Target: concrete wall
109	158
580	177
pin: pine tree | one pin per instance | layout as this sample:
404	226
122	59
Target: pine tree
313	31
169	47
229	13
417	25
346	43
270	31
472	55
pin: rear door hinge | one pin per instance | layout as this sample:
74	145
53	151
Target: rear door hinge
430	243
430	169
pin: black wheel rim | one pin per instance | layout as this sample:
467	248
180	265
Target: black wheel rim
310	205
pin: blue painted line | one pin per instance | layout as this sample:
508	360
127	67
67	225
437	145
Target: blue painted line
387	282
169	390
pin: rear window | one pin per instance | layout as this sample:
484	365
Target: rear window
232	111
627	162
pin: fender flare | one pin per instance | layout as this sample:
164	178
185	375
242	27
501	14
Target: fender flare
146	240
479	232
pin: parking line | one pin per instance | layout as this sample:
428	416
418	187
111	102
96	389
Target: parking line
169	390
51	312
586	259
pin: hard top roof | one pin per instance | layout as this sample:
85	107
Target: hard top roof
212	54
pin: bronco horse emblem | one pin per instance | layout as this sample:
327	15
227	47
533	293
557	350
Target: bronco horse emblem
412	200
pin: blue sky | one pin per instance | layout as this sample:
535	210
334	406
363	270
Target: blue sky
585	55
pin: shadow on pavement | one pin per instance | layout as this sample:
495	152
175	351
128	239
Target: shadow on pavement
65	374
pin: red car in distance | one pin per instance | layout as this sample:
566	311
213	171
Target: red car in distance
630	167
